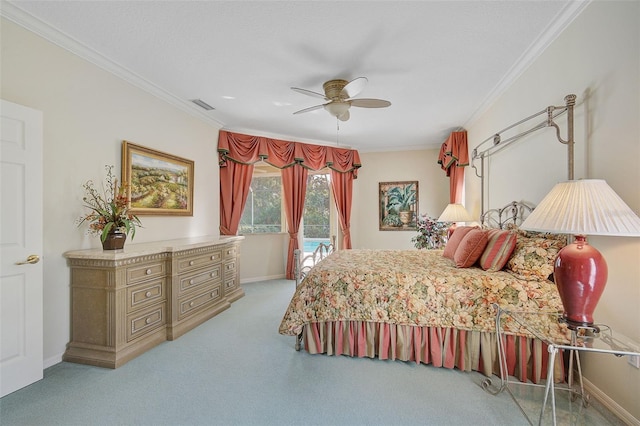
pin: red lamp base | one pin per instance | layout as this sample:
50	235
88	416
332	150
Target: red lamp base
580	274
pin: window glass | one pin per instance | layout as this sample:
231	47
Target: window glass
316	207
263	210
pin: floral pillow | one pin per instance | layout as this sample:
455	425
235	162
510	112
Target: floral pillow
535	254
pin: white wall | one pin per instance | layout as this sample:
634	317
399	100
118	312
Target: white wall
264	257
433	194
87	114
598	59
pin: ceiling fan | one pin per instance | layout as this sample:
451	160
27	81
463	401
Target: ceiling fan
340	94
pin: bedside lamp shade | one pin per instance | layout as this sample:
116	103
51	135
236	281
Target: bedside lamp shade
582	207
454	213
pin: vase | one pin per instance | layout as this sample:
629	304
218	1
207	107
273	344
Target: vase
114	241
406	217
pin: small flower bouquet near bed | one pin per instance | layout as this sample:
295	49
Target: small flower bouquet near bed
431	233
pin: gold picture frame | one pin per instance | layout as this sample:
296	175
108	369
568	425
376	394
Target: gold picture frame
158	183
398	206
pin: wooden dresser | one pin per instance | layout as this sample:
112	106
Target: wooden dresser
124	302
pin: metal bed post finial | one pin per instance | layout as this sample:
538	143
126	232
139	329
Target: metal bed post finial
570	101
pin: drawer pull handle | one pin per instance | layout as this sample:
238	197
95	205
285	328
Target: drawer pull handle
191	263
213	258
191	304
148	271
191	282
147	294
213	274
147	321
213	294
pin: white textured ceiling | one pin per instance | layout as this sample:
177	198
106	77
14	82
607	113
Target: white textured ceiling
438	62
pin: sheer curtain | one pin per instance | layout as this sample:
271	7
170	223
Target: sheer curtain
238	152
453	158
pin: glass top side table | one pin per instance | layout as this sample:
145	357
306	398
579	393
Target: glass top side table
598	338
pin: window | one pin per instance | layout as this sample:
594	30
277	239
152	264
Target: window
317	207
263	210
319	217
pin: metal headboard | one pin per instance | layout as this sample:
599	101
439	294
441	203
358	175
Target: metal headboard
499	141
513	214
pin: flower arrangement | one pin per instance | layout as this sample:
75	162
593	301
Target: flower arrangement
109	208
431	233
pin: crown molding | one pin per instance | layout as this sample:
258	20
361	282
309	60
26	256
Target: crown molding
20	17
548	36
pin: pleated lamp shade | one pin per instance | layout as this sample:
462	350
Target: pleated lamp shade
583	207
455	213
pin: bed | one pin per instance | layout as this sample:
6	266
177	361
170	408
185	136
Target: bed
420	306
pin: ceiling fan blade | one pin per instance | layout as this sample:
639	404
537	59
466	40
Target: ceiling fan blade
354	87
345	116
369	103
313	108
309	93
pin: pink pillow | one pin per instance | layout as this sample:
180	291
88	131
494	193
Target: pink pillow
454	240
470	248
499	247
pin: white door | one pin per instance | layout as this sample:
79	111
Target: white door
21	358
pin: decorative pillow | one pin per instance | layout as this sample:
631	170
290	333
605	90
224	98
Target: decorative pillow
454	240
470	248
535	254
500	245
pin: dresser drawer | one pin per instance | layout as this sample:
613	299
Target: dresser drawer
230	268
145	321
190	282
194	262
145	294
145	271
230	252
191	304
230	284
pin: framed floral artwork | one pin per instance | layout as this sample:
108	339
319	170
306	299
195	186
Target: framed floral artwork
398	206
159	183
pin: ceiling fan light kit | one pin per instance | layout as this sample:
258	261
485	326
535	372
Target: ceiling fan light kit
338	108
339	94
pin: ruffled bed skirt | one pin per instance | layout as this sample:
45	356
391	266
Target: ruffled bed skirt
526	358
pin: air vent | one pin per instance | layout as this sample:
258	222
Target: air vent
202	104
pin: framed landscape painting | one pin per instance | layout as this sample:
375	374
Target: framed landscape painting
159	183
398	205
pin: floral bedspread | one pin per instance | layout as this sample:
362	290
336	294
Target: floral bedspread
417	288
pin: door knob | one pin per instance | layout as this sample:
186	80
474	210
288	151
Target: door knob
31	259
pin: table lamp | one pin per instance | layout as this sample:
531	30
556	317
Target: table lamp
454	213
582	207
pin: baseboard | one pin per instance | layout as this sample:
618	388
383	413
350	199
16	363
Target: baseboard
51	361
610	404
267	278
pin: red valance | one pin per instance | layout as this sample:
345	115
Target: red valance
453	157
454	151
247	149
